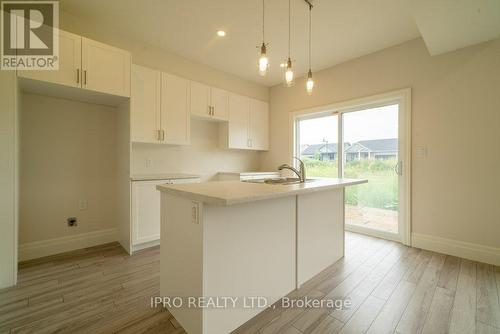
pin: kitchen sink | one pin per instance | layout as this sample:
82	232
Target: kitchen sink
281	180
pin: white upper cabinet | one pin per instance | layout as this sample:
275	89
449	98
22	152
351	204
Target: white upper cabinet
200	99
238	130
208	102
105	68
145	104
174	115
70	60
259	125
218	102
247	126
84	63
159	111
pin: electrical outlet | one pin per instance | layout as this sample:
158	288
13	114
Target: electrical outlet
149	163
83	204
72	221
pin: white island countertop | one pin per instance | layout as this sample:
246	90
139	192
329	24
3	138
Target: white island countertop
163	176
235	192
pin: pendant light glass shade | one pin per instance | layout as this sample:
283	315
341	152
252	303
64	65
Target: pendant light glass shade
289	76
309	83
289	71
263	60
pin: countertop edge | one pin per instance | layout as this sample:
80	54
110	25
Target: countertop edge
167	176
214	200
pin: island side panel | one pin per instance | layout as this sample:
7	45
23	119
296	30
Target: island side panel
249	251
320	232
181	258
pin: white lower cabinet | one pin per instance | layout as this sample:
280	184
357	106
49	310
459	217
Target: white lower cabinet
145	220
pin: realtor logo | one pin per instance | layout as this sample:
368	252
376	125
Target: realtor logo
30	38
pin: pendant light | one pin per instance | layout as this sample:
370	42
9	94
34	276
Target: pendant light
263	60
310	81
289	76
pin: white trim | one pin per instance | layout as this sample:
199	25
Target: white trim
458	248
36	249
403	97
145	245
372	232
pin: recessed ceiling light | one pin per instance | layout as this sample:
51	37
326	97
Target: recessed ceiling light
221	33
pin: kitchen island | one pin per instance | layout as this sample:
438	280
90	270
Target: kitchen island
246	243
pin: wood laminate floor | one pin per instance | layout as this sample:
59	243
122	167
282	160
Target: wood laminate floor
392	289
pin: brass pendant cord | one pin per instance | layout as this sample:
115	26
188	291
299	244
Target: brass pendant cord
289	26
263	20
310	25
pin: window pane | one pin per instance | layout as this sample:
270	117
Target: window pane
317	144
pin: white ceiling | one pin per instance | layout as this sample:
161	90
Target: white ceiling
342	29
448	25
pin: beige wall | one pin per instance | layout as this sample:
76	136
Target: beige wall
203	155
8	178
455	115
68	153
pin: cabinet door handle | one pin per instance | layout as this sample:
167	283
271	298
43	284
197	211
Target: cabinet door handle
85	77
210	110
158	134
78	76
162	135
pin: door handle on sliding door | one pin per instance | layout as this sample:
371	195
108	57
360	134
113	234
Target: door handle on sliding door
398	168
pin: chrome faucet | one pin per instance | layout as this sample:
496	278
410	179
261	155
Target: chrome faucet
301	173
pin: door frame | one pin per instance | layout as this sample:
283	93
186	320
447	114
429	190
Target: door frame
403	98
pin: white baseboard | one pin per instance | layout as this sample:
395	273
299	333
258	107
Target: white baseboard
462	249
33	250
136	248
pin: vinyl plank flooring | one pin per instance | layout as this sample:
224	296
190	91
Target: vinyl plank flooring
396	274
414	317
488	305
364	316
393	288
486	329
328	325
449	275
463	315
438	319
388	318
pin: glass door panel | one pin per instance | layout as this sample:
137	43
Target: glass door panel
317	144
371	152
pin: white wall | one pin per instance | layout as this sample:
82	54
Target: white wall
455	115
203	157
8	177
68	153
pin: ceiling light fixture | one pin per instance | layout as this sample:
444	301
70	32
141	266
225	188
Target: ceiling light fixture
310	81
221	33
263	60
289	71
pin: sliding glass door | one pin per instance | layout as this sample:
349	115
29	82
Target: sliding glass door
372	139
367	141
